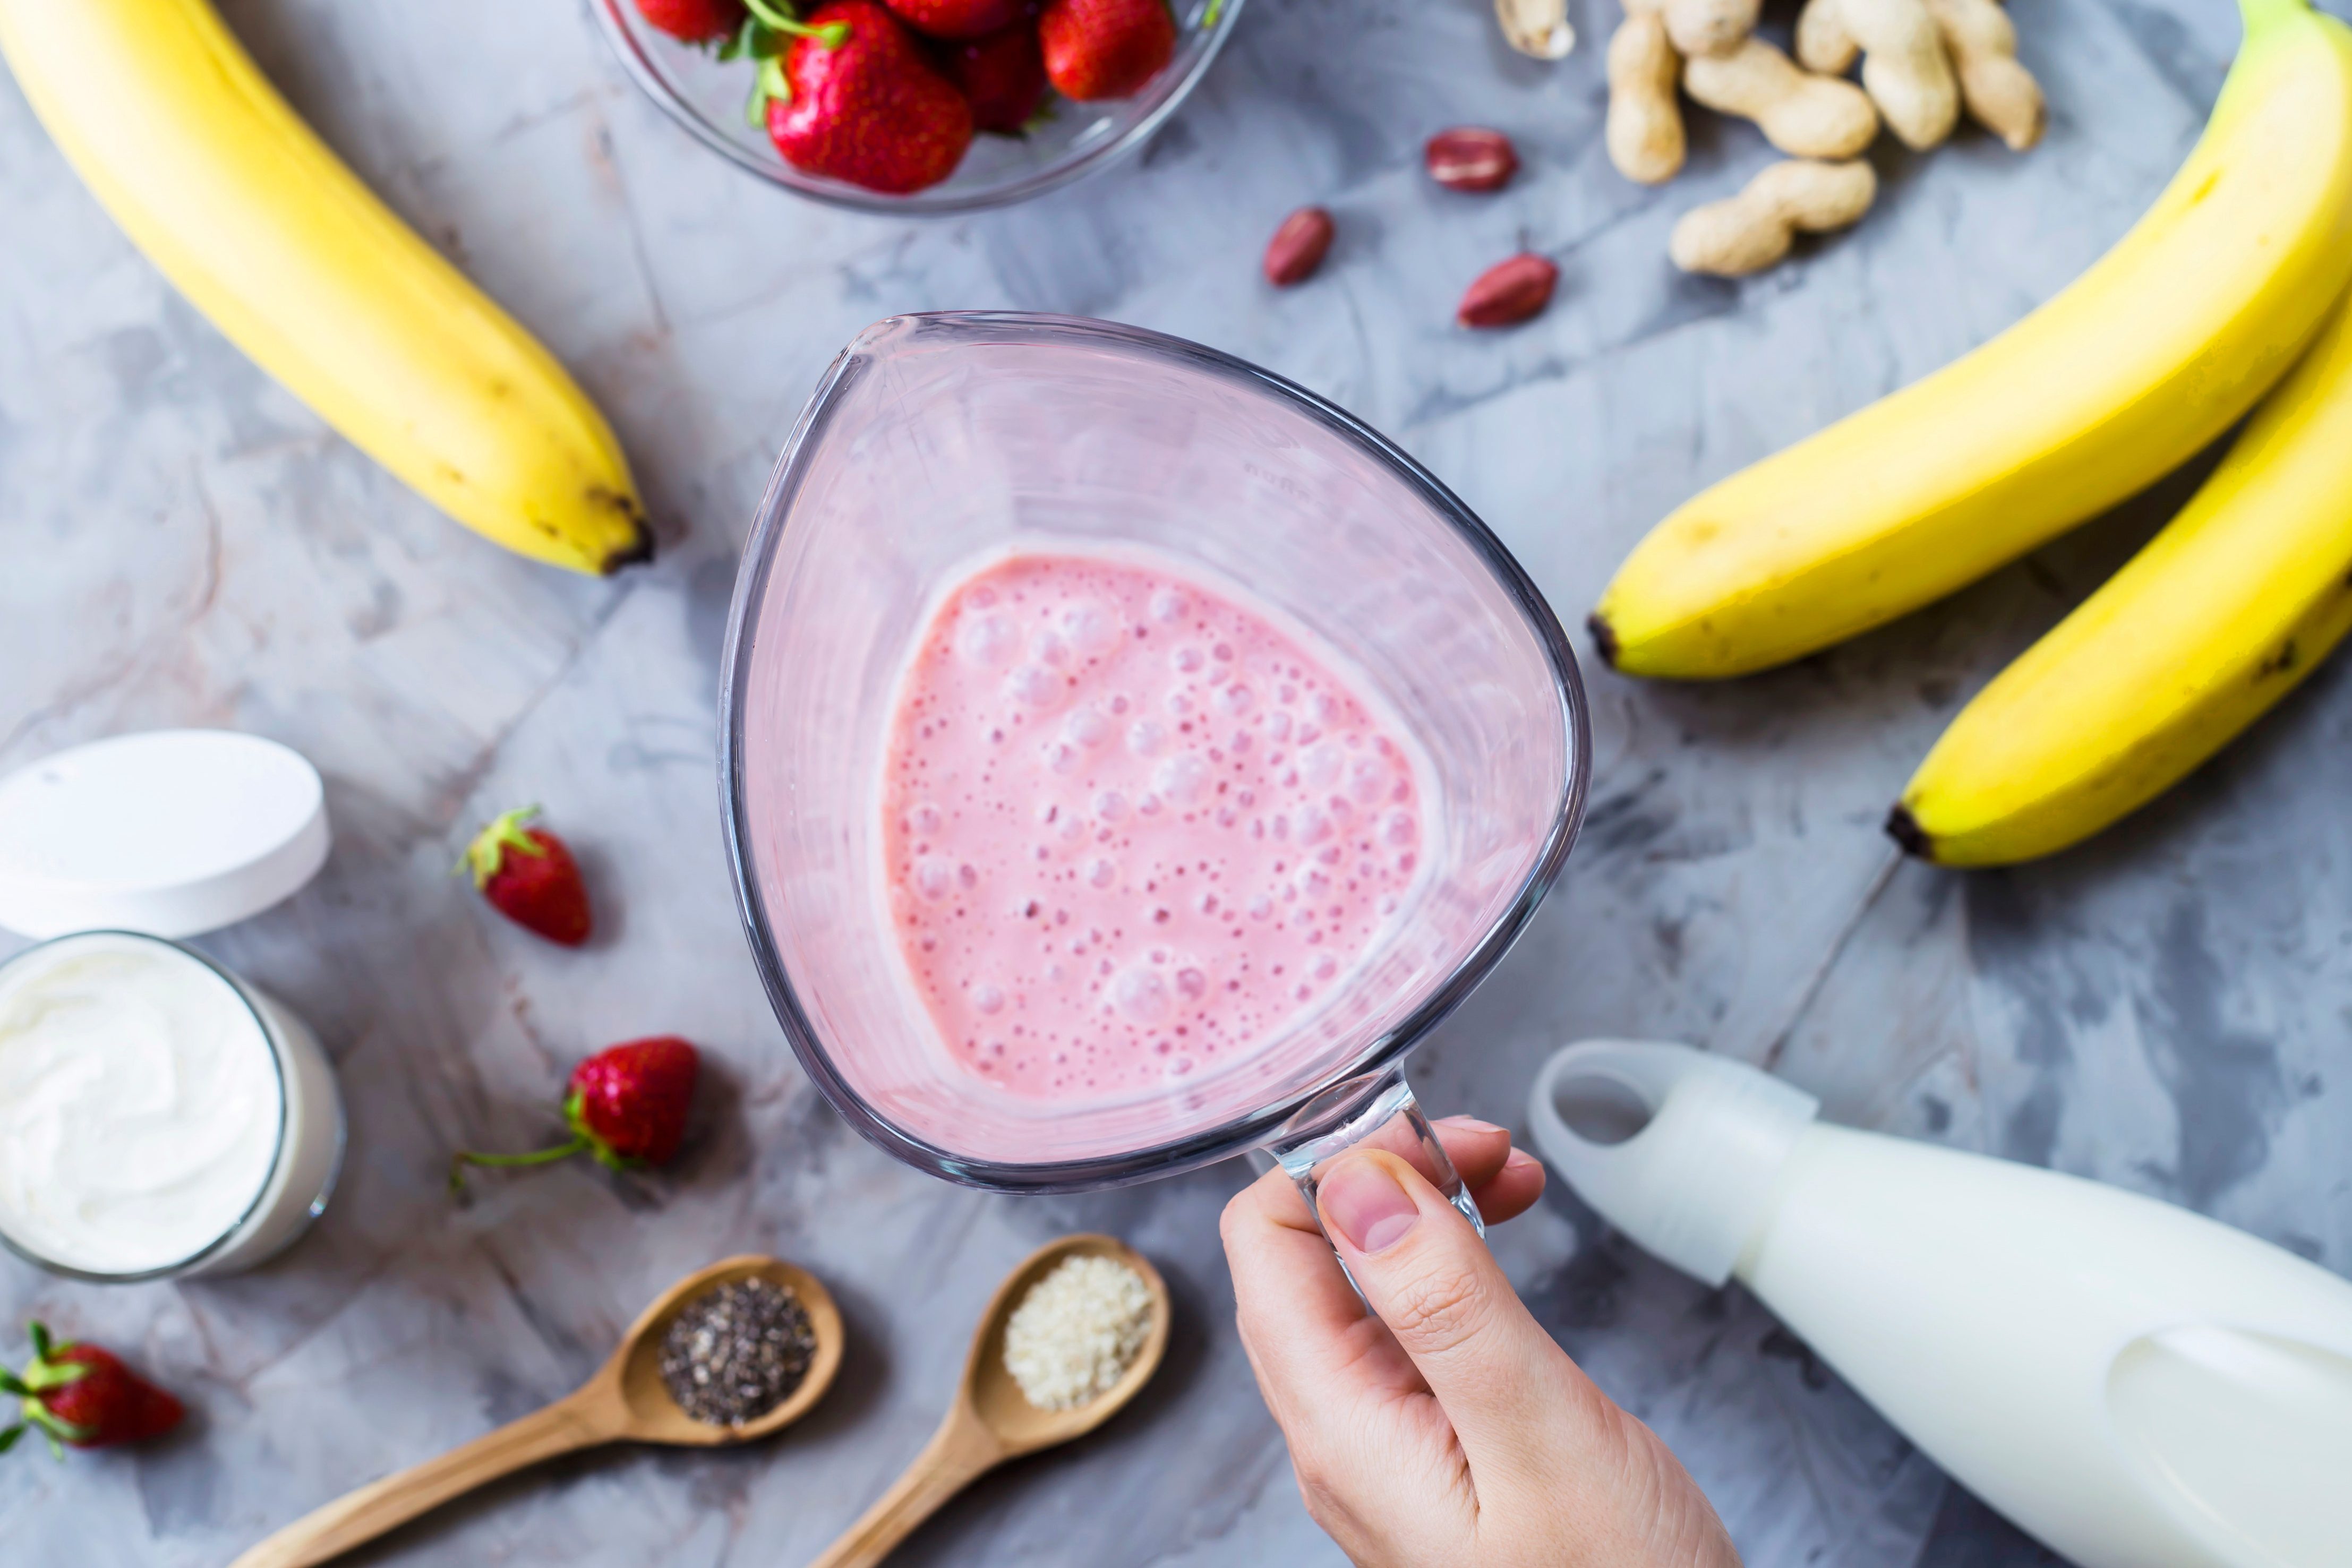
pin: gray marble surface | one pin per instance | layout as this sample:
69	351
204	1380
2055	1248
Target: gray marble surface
184	544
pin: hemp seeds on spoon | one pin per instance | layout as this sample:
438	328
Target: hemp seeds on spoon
1077	1331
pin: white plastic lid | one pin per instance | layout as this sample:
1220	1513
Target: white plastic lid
1699	1139
171	833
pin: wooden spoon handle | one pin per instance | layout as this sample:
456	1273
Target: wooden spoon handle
577	1422
962	1450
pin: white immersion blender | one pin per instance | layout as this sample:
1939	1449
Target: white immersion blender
2134	1384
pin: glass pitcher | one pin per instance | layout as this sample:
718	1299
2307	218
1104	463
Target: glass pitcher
936	438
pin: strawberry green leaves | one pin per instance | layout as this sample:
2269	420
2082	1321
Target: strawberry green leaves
767	32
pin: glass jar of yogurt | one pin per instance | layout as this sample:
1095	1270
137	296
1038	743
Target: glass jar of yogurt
160	1117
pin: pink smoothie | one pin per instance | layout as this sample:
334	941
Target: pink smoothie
1131	827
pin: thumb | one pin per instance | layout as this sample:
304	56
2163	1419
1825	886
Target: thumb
1502	1382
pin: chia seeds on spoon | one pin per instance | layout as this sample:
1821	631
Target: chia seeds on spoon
737	1352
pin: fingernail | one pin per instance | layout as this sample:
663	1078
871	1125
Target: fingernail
1517	1159
1470	1124
1370	1211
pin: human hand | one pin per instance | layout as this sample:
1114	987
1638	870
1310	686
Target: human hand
1449	1431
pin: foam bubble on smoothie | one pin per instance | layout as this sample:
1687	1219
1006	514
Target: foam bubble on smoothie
1093	627
986	639
1183	779
1141	996
1035	685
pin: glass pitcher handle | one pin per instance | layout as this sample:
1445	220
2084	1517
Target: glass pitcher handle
1373	1111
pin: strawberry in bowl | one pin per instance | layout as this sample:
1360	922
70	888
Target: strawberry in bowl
927	106
961	18
1105	49
864	103
1002	76
695	21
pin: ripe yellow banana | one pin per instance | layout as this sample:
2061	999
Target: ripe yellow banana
2150	354
2219	617
243	207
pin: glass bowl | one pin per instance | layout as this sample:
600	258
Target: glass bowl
706	96
937	440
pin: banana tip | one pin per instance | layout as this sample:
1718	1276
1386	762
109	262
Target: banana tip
1904	829
636	552
1605	641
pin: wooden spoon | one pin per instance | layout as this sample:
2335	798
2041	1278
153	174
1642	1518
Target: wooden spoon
992	1421
626	1401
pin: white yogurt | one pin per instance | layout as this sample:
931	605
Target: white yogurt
155	1115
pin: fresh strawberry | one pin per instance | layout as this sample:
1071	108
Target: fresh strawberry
629	1102
625	1105
1002	76
959	18
81	1395
1105	49
529	877
864	105
694	21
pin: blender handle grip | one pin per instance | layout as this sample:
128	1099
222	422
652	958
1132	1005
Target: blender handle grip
1699	1141
1646	1072
1374	1111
